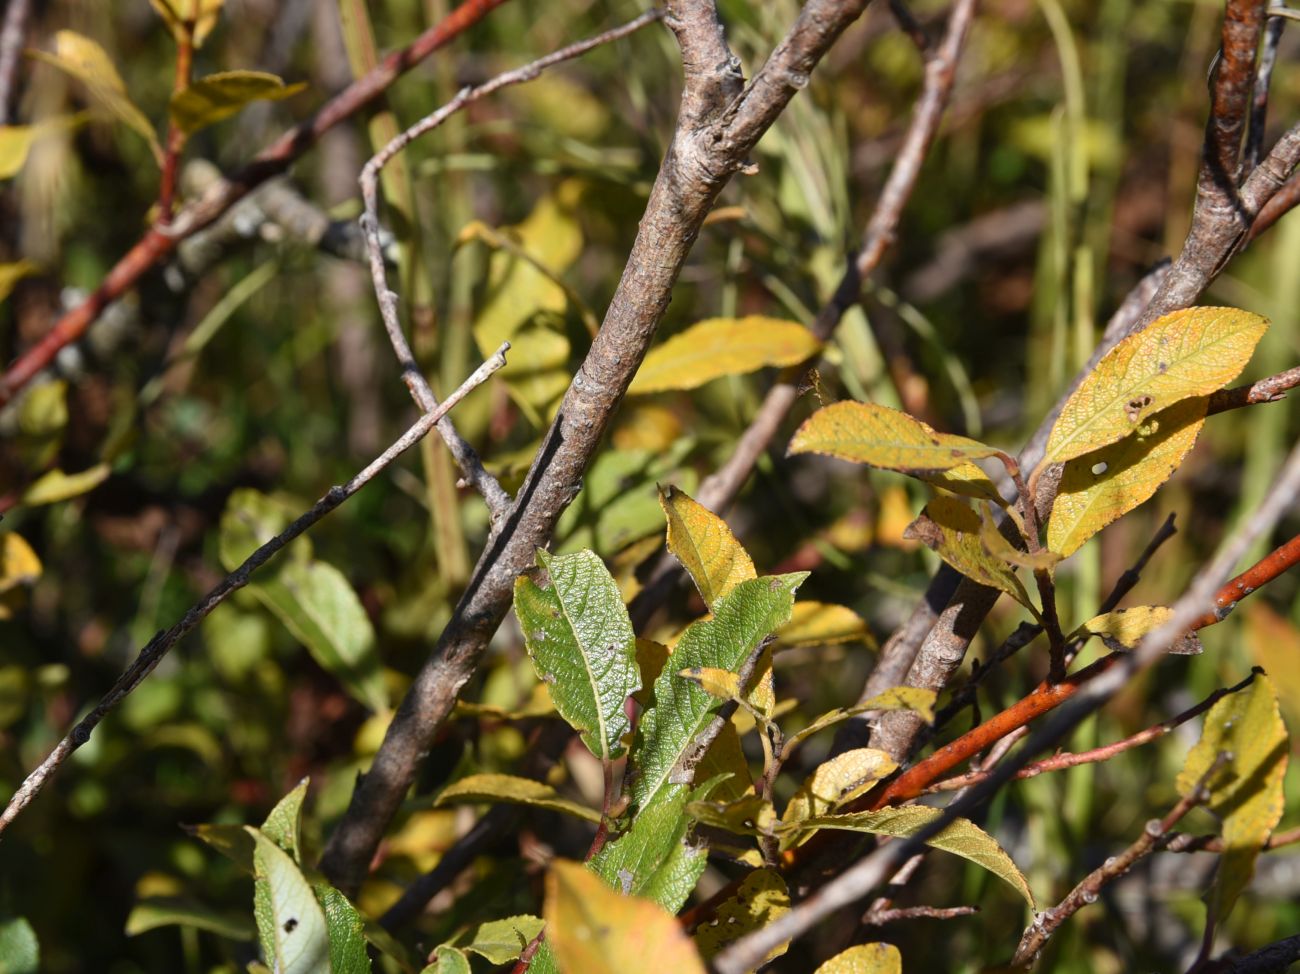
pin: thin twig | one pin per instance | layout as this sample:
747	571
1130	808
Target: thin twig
878	918
471	467
12	33
175	134
1263	80
1089	888
162	643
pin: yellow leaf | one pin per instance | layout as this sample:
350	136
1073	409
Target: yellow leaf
1000	548
218	96
952	530
58	486
647	426
1123	629
865	959
1274	644
1246	792
19	566
726	759
916	699
1101	487
15	142
822	624
962	838
833	783
1184	354
762	685
761	899
179	15
704	545
512	789
90	64
11	274
722	346
894	518
716	682
864	432
747	815
594	930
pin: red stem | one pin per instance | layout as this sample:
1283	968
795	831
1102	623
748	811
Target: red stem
175	136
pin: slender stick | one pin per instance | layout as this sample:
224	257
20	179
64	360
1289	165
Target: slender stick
498	501
175	134
162	643
12	32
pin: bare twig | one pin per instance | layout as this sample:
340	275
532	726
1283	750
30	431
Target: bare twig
1272	389
162	643
878	918
871	871
1276	958
155	245
719	123
1263	79
498	501
1089	888
12	33
175	144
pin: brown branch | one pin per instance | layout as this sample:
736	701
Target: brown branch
1276	958
718	125
1259	100
878	918
158	647
1272	389
1089	888
1214	843
271	161
12	33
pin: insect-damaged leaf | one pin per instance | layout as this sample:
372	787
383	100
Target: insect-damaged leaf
1187	353
581	643
962	838
671	738
952	530
1246	792
865	959
722	346
876	435
834	782
762	898
1123	629
704	545
1102	486
592	929
216	97
290	923
514	790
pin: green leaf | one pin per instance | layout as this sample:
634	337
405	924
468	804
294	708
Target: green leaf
594	930
218	96
166	911
1187	353
1102	486
502	941
290	923
508	788
57	486
863	432
916	699
1246	793
251	519
962	838
762	898
669	741
284	823
822	624
952	530
653	858
711	349
448	960
346	930
20	953
83	59
704	545
865	959
1123	629
581	643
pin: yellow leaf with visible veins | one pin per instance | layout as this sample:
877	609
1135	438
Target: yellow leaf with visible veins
1101	487
711	349
865	959
761	899
832	784
1187	353
704	545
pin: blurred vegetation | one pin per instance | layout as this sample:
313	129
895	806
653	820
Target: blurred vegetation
1064	171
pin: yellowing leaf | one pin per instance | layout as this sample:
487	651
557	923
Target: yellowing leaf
916	699
864	432
592	929
58	486
726	760
1123	629
179	15
762	898
513	790
1101	487
1246	792
834	782
1000	548
719	683
16	142
952	530
865	959
19	566
90	64
746	815
722	346
1187	353
704	545
822	624
1274	644
894	518
646	426
218	96
11	274
962	838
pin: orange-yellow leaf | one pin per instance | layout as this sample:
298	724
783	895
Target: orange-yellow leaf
761	899
722	346
705	546
1102	486
594	930
1187	353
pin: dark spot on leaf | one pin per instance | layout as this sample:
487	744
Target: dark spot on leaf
1162	367
290	925
1135	406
